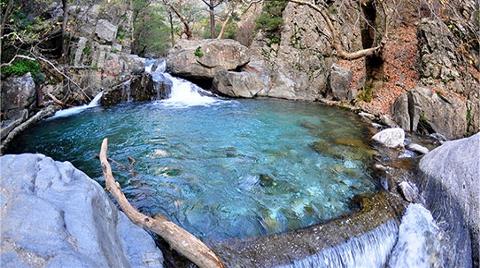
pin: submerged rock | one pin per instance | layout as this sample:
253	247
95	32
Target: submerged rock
53	215
450	186
363	239
390	137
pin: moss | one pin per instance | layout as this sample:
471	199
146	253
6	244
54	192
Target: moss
21	67
121	33
469	117
366	94
198	52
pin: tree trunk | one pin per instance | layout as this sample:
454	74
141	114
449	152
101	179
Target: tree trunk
5	16
211	9
64	31
178	238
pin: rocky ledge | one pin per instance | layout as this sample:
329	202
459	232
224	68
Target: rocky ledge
53	215
450	185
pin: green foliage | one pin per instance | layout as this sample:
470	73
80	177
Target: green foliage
198	52
366	94
121	33
270	20
152	33
21	67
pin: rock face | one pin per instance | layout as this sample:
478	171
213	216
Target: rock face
390	137
105	30
339	83
17	95
450	186
202	59
421	109
53	215
18	92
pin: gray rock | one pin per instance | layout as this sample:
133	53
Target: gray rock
339	83
202	59
450	186
400	111
421	109
106	30
238	84
388	121
390	137
53	215
367	115
82	43
17	92
417	148
409	191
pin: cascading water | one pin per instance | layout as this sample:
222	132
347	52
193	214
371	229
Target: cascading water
416	243
368	250
419	240
183	93
78	109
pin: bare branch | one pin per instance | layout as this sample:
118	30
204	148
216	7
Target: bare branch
177	237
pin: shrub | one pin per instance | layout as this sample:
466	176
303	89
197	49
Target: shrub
271	20
21	67
198	52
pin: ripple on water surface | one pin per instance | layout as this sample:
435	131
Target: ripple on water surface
238	169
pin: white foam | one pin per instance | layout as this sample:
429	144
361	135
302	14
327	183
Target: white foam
78	109
183	93
418	242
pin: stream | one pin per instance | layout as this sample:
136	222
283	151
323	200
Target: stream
235	169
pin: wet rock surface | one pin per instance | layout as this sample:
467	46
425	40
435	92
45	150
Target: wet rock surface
450	187
53	215
287	248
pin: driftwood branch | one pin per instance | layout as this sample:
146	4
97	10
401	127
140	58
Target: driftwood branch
178	238
35	118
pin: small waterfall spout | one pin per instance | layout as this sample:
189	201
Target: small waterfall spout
183	93
419	240
369	250
78	109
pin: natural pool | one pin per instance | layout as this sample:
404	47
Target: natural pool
231	169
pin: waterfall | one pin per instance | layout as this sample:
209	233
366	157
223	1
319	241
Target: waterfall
78	109
183	93
419	240
368	250
126	90
416	243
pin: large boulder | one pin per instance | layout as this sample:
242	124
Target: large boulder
202	59
245	84
450	187
140	88
53	215
17	92
422	109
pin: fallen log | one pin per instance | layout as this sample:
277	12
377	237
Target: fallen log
45	112
178	238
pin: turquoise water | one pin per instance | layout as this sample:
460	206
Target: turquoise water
231	170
